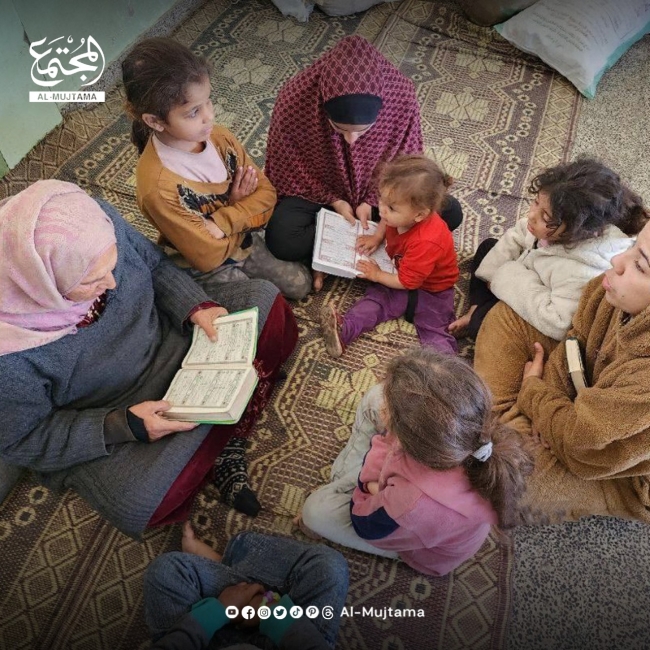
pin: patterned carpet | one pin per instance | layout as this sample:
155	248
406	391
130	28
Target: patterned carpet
491	116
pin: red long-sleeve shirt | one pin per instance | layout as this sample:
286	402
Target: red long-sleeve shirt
424	255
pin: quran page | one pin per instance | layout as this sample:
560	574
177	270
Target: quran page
236	341
210	395
335	246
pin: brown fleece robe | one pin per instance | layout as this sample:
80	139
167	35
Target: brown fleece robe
599	456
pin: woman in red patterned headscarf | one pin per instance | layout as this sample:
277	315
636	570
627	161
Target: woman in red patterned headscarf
332	124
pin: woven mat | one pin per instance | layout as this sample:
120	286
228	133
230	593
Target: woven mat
491	116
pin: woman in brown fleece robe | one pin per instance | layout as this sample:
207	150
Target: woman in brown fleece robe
592	450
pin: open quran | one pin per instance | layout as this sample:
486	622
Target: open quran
217	378
335	246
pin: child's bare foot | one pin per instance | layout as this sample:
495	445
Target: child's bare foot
190	544
330	323
317	281
298	522
459	327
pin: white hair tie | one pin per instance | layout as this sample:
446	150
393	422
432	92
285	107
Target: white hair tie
483	452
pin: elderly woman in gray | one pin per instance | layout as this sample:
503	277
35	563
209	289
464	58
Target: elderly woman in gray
94	323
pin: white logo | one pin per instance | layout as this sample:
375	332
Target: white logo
264	612
59	60
279	612
296	611
92	53
232	611
312	611
248	612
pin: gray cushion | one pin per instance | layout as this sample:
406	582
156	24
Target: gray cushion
298	9
490	12
346	7
301	9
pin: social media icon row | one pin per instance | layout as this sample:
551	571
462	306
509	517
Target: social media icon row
265	612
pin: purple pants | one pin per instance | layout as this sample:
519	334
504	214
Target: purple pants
433	314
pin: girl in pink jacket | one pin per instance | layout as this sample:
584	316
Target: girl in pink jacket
438	475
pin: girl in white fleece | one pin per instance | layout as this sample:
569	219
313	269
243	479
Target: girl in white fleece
582	215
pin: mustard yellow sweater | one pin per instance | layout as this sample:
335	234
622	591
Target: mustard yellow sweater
176	206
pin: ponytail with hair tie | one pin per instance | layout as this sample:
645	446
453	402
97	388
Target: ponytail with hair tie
450	423
502	480
483	452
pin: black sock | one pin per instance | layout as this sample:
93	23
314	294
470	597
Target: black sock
231	478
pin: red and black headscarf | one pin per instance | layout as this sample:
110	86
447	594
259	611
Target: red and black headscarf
350	84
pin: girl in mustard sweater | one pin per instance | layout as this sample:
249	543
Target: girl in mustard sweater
195	182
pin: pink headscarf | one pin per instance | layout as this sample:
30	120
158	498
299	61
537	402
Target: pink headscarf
51	234
306	157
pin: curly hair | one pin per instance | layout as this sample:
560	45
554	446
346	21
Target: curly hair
585	196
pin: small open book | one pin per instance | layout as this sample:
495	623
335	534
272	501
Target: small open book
335	247
574	361
217	379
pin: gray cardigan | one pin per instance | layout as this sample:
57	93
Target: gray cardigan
62	405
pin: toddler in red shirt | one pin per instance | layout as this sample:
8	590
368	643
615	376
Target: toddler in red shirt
412	190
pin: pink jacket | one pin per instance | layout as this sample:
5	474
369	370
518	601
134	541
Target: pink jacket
434	519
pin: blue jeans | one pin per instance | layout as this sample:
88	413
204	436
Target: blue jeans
311	574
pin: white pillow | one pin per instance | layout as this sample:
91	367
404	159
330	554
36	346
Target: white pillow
581	39
301	9
298	9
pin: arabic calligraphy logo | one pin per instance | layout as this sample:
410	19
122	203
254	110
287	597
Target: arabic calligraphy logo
87	62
